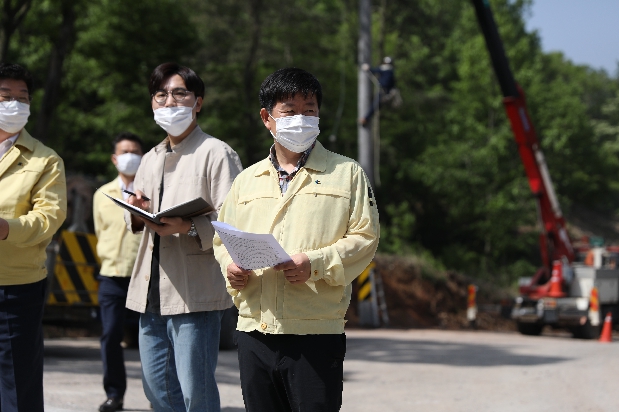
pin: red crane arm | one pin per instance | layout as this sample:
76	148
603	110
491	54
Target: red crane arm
554	241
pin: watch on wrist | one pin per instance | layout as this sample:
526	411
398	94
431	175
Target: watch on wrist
192	230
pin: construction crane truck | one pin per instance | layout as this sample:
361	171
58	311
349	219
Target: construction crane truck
566	291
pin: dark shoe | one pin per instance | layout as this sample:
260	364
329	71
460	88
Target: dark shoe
111	405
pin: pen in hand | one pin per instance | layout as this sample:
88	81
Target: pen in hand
133	194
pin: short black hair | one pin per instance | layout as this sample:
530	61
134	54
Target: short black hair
164	71
126	136
16	72
285	83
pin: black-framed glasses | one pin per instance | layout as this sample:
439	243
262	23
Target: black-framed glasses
7	98
179	94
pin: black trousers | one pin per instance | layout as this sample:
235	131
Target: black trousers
112	299
21	347
285	373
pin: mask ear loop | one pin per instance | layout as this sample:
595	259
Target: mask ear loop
274	119
193	107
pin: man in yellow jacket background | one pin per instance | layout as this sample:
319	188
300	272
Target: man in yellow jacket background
33	205
117	248
320	207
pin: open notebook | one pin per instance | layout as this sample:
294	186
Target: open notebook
195	207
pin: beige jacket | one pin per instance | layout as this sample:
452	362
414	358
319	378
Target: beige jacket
329	213
33	200
191	280
116	246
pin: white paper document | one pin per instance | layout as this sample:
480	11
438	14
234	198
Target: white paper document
251	250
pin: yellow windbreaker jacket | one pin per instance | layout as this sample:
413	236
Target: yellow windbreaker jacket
329	213
33	200
117	247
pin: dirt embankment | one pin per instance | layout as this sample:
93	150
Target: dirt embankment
419	297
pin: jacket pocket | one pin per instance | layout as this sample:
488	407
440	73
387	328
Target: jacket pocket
325	209
301	302
254	210
324	190
16	191
248	299
203	280
255	197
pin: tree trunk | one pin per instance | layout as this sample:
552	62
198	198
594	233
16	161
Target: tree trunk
60	50
253	151
13	13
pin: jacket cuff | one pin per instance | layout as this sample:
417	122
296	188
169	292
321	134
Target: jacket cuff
205	231
317	264
14	231
225	262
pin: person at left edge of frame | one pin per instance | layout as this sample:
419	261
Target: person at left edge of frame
33	205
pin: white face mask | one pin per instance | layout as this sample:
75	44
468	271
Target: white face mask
13	116
174	120
128	163
296	133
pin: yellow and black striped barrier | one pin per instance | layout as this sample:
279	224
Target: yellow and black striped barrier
364	281
366	297
75	269
371	301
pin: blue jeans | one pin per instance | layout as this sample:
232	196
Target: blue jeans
179	356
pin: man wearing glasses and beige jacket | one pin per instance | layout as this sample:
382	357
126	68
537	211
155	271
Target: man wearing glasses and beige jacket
176	284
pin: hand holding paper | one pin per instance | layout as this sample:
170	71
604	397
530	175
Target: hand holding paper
297	270
251	250
237	277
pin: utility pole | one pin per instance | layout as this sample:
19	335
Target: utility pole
367	299
364	136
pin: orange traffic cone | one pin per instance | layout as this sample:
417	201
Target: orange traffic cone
556	281
607	330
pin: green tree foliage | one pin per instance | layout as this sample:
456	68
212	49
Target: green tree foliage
452	182
104	87
246	41
605	124
456	156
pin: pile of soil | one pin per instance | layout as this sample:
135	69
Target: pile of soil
416	295
420	297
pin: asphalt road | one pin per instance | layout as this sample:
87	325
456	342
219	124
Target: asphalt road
388	370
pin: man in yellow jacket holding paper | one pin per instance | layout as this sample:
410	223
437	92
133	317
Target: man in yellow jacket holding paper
321	209
33	205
